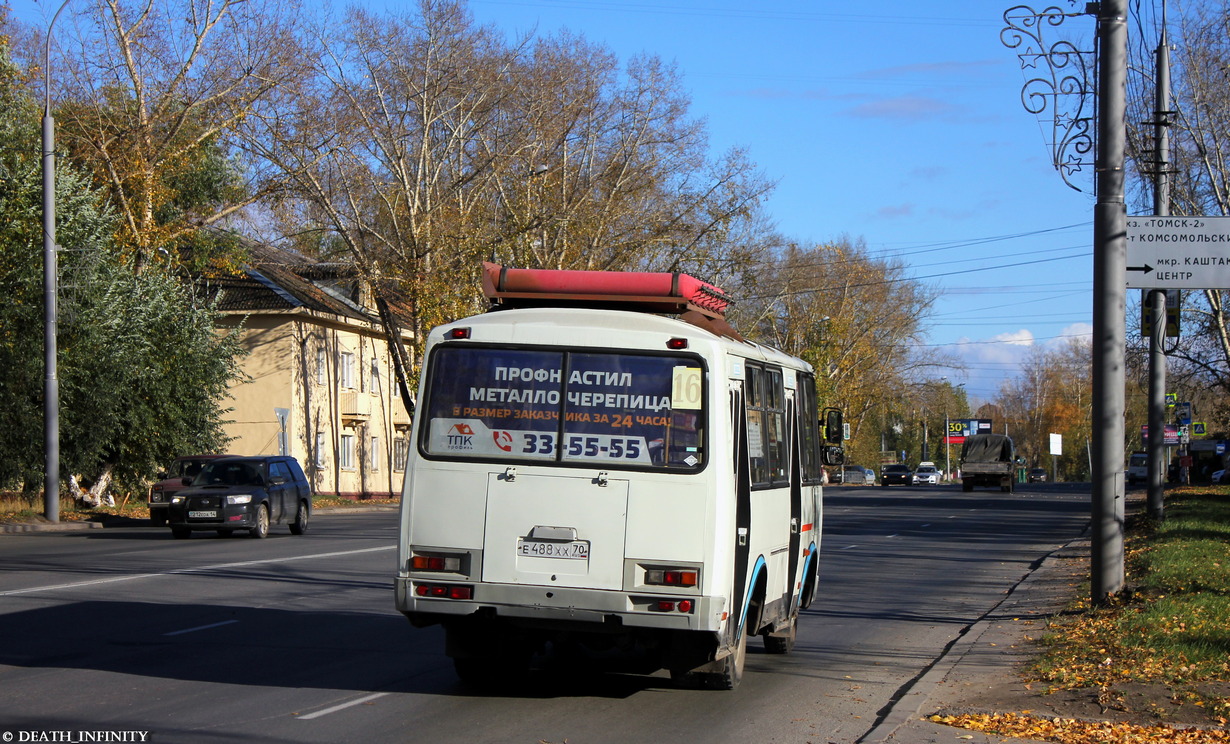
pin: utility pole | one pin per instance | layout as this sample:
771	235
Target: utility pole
1156	298
51	380
1109	336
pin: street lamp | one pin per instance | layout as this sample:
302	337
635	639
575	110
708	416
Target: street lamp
51	382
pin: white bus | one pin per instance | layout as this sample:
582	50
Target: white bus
589	476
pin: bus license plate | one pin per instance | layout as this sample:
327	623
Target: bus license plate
577	550
202	515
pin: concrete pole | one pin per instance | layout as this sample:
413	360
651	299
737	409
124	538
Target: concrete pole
1109	270
1157	298
51	380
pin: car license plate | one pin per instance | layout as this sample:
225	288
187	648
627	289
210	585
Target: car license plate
576	550
209	514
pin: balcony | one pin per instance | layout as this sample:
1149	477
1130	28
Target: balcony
401	419
354	407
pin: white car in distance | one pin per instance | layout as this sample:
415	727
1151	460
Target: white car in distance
926	474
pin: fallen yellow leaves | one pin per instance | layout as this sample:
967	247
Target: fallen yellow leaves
1072	731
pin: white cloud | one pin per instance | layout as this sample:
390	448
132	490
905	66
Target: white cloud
1016	338
1076	330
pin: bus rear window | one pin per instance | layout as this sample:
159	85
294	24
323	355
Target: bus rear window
610	409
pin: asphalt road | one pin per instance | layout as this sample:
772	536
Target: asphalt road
294	639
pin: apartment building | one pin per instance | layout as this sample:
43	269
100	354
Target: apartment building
318	380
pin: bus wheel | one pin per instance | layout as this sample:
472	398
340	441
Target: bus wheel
714	675
782	641
732	667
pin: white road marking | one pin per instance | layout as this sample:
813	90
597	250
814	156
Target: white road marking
200	627
198	569
343	706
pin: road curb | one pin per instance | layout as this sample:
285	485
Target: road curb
49	526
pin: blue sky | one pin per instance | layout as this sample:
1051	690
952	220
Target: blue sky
898	123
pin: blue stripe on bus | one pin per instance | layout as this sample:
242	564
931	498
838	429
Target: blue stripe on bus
756	571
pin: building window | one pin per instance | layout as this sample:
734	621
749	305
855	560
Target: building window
375	377
373	458
345	370
321	461
322	366
400	452
346	453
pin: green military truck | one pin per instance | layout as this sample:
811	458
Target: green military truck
988	460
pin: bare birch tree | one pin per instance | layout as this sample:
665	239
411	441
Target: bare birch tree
425	143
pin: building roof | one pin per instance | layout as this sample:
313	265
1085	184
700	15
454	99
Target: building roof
277	279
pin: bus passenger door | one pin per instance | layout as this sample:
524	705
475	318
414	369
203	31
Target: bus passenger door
743	505
796	503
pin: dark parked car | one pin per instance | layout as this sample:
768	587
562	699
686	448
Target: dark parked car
898	474
172	481
243	493
1037	475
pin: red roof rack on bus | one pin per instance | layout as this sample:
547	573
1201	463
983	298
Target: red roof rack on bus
632	290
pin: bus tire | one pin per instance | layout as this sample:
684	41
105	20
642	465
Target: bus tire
782	642
731	673
967	486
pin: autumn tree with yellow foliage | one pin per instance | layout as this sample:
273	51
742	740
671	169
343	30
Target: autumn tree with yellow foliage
1052	395
860	321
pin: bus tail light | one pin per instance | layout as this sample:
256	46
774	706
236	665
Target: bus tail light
672	577
677	344
444	591
459	333
425	562
670	605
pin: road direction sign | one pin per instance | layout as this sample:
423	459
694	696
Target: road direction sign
1178	252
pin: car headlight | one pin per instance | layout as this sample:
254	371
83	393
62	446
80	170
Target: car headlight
244	498
177	500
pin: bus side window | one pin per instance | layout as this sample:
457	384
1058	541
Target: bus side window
756	449
775	415
809	429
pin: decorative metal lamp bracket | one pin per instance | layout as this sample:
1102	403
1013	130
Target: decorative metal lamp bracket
1063	82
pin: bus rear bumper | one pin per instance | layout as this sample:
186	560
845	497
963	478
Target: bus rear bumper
545	606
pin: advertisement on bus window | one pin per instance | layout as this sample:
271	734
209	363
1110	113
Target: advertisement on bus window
613	409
